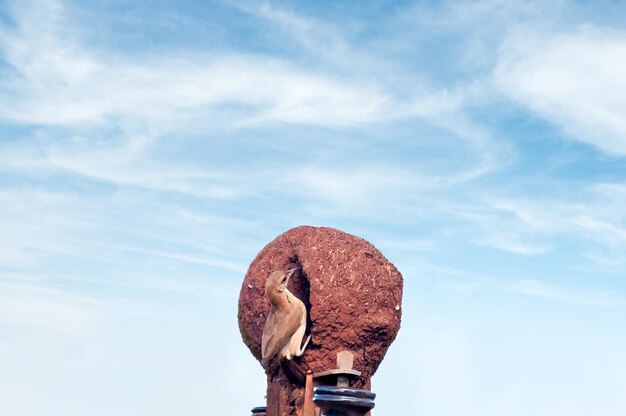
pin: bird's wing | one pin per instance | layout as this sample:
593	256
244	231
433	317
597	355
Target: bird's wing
278	330
267	336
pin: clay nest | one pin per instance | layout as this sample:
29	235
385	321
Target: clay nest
353	296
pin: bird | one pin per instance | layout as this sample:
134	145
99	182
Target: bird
286	321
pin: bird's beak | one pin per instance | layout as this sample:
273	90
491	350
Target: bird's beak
290	271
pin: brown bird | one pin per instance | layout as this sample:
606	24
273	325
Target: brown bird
286	322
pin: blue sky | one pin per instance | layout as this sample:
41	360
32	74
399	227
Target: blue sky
149	150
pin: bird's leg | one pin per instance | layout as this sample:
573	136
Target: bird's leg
304	346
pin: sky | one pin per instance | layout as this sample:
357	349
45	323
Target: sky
150	149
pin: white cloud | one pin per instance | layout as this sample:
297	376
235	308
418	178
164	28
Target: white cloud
350	187
574	79
119	164
512	243
56	80
572	295
593	217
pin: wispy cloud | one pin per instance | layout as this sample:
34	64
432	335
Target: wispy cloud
571	295
512	244
573	79
595	217
54	79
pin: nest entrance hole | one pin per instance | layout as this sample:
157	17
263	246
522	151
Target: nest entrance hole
300	286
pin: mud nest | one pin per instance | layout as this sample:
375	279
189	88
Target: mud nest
353	296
